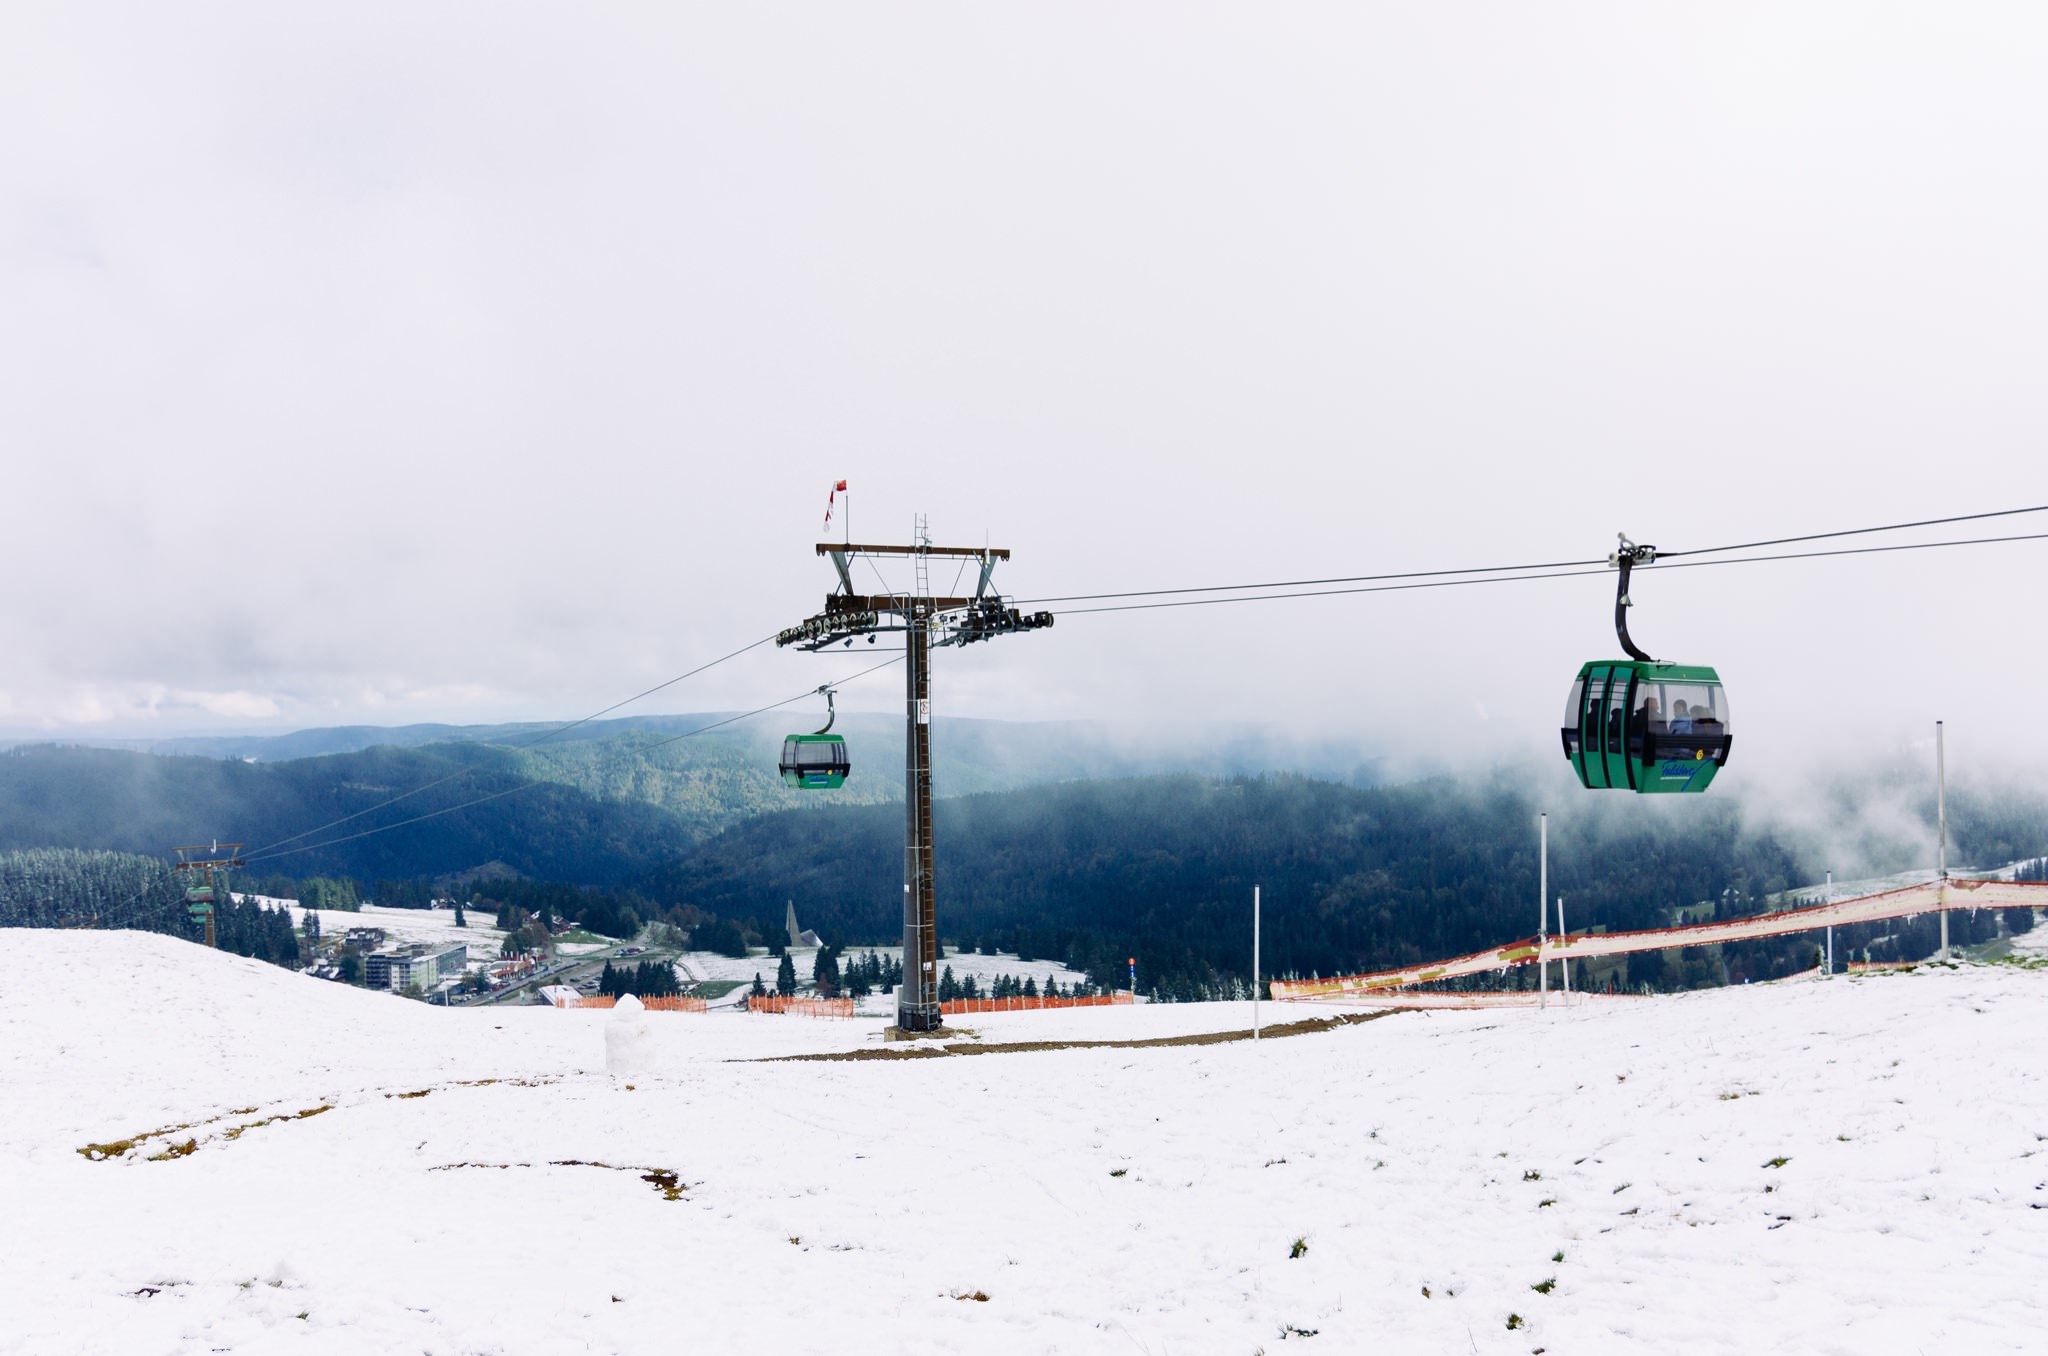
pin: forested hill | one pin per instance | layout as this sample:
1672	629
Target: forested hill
590	822
64	888
1352	878
709	775
110	799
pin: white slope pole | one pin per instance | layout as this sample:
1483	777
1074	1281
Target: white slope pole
1564	963
1941	828
1542	904
1255	962
1829	973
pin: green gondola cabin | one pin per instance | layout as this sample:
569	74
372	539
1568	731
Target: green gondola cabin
815	762
1648	727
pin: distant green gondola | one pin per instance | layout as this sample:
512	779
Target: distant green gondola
813	762
816	762
1641	724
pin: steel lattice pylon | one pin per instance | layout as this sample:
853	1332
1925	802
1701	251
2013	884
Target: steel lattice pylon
928	623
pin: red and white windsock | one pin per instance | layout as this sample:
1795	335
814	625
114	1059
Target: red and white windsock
831	499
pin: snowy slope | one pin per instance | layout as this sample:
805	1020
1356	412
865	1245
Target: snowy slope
404	927
1103	1200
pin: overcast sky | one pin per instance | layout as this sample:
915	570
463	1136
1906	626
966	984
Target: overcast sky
465	362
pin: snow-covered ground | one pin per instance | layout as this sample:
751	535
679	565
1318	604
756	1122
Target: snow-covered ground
1854	1166
402	927
1897	880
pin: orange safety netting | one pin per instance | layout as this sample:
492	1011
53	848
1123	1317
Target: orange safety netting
801	1007
954	1007
605	1000
1932	897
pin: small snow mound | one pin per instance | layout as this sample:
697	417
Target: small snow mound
629	1040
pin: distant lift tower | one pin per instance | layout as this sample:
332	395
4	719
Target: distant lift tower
207	857
927	622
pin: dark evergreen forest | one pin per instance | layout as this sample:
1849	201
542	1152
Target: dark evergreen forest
54	796
66	888
1091	873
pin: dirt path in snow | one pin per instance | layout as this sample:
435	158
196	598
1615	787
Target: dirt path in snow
918	1051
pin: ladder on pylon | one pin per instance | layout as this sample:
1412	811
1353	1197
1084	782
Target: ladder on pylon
922	559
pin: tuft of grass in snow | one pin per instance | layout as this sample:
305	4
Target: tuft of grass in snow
171	1151
1288	1330
1532	1176
1514	1321
1777	1163
1544	1287
111	1149
116	1148
1557	1256
1299	1249
665	1182
235	1132
1118	1172
978	1296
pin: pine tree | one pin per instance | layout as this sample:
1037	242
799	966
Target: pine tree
825	971
785	976
759	990
949	987
1030	987
460	921
658	980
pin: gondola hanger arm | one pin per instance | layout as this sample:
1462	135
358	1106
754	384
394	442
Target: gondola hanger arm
1626	557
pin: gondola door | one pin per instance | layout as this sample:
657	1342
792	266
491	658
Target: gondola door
1603	727
1593	728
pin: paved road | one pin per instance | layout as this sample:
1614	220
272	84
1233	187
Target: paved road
571	970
